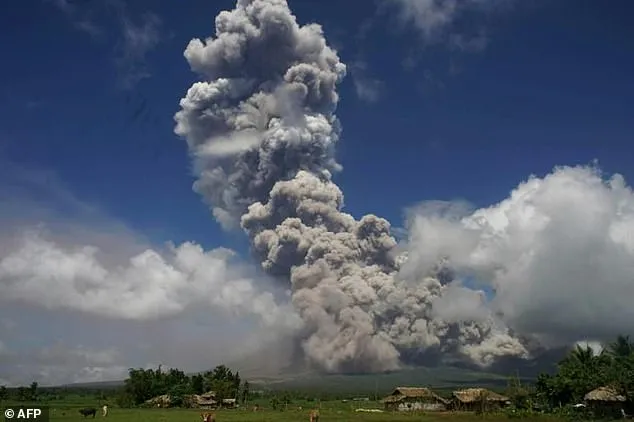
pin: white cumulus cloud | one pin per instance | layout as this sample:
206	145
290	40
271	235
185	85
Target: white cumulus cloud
558	254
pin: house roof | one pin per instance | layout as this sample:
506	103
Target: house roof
401	393
471	395
205	402
605	394
209	395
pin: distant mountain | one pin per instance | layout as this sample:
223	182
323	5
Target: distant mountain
278	371
101	385
439	377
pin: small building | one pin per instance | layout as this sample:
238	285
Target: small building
207	400
477	399
605	401
162	401
414	398
229	403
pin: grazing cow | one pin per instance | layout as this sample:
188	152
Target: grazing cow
314	415
88	411
256	408
208	417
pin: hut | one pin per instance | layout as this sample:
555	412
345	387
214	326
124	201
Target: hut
477	399
414	398
207	400
163	401
605	401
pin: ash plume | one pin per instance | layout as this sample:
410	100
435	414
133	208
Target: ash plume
262	132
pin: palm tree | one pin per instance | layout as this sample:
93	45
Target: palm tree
622	354
580	356
622	347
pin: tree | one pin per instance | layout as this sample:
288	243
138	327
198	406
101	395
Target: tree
621	348
236	385
4	393
245	392
33	391
178	394
519	395
622	372
198	384
582	371
144	384
22	394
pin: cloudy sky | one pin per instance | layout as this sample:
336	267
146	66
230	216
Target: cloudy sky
494	132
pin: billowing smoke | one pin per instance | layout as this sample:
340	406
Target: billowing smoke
261	130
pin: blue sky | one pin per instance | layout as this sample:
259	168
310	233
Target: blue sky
88	94
552	87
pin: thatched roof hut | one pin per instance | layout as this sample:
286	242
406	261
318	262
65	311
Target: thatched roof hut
414	398
413	392
163	401
605	395
605	402
205	402
471	395
476	398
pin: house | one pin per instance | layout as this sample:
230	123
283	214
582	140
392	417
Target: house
477	399
605	401
414	398
207	400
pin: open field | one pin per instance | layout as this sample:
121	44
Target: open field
333	414
335	411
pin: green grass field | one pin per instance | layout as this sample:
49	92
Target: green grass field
335	411
339	415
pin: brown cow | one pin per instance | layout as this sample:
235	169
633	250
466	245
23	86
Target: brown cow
314	415
208	417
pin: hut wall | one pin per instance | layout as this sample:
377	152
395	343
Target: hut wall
411	404
606	408
475	406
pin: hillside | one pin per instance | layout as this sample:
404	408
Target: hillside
441	377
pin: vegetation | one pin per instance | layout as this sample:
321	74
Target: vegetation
583	371
144	384
551	397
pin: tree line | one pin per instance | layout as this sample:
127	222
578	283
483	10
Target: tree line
23	394
144	384
580	372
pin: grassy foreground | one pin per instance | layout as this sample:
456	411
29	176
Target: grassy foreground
67	410
193	415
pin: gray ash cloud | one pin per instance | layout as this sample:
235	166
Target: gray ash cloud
262	132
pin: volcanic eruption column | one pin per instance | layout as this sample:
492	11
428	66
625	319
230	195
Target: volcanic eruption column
261	130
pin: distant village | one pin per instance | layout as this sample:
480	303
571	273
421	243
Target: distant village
587	384
409	399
